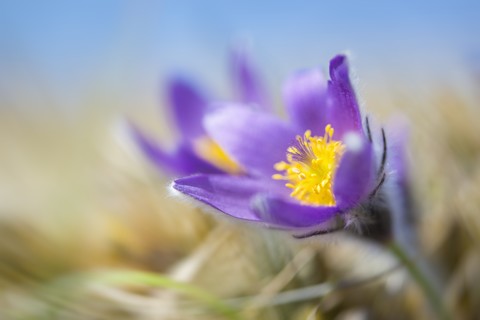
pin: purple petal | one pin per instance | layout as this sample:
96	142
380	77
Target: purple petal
306	100
229	194
188	107
285	213
182	161
398	185
344	112
246	83
255	140
355	174
397	163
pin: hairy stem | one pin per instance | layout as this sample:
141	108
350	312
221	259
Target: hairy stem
422	279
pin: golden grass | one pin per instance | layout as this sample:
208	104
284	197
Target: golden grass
89	231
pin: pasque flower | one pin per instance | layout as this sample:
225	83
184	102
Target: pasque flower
299	175
322	170
196	152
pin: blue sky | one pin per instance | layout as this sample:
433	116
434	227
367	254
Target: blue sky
70	44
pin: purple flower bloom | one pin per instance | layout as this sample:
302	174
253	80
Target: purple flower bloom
298	175
196	152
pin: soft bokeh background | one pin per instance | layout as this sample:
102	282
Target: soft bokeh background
82	212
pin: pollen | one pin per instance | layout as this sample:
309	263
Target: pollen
210	151
310	168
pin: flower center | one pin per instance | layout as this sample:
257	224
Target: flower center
310	168
210	151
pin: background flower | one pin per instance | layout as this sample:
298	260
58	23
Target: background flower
196	152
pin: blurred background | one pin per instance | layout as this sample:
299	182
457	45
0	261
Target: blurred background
88	229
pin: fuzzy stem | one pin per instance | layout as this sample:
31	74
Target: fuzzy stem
422	280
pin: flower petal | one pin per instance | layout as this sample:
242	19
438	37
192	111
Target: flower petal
182	161
255	140
397	162
355	174
246	83
398	190
343	112
276	210
305	95
229	194
188	107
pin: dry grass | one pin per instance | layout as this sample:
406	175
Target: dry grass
89	231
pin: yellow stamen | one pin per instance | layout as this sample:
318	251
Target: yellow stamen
210	151
310	168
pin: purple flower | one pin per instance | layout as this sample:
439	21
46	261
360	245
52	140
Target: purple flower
196	152
298	175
